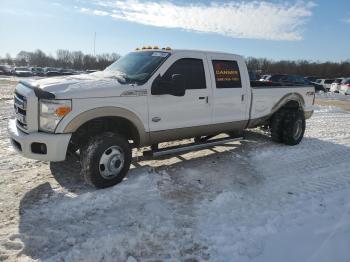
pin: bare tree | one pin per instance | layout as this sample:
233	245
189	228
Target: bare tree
9	60
77	59
63	58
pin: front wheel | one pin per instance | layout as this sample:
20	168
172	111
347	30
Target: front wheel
106	159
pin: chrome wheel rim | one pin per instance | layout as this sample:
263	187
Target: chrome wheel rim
111	162
298	129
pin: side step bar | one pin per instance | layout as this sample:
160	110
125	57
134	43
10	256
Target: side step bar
189	147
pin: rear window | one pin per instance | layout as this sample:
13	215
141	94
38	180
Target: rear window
318	80
227	74
329	81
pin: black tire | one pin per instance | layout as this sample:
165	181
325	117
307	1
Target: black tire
198	139
293	127
277	126
98	147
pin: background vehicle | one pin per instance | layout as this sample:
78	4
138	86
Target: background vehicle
23	71
264	77
66	72
5	70
294	79
89	71
275	78
149	97
345	87
51	71
326	83
336	85
37	71
312	78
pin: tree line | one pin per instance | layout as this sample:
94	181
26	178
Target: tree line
63	59
79	61
301	67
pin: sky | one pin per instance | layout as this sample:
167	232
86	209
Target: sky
310	30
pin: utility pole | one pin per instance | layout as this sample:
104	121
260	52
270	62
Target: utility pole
94	43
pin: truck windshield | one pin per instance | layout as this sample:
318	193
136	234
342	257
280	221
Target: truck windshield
138	67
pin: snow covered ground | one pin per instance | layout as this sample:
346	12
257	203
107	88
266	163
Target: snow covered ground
246	201
333	96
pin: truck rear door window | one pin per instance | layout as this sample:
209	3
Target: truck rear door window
191	69
227	74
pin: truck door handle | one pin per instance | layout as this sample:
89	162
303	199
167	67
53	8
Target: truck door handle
156	119
206	98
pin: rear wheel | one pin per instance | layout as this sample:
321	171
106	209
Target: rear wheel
293	127
277	126
106	159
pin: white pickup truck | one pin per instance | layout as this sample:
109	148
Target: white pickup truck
147	97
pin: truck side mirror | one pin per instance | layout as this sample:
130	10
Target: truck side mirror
175	87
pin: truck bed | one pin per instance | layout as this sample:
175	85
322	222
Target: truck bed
267	96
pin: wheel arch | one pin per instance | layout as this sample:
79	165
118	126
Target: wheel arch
291	100
113	114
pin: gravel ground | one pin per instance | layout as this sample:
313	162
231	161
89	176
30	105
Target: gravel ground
236	202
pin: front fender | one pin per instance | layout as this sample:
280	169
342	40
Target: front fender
73	124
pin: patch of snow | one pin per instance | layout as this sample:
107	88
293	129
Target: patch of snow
328	109
131	259
320	235
332	96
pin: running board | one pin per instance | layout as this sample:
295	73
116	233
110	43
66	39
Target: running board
189	147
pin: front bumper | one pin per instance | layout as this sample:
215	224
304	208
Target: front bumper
30	145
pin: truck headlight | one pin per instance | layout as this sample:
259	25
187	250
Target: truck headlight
51	113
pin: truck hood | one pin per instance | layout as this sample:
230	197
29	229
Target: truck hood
101	84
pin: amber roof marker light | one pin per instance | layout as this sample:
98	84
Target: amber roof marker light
153	48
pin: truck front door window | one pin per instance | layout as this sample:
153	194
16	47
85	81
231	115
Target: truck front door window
192	71
227	74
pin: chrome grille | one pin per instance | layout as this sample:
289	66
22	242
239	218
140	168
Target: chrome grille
20	105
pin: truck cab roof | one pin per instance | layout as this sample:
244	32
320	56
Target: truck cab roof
187	51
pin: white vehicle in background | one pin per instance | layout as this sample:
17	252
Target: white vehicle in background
148	97
335	86
345	87
23	71
326	83
264	77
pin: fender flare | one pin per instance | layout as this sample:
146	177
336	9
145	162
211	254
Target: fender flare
109	111
295	97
